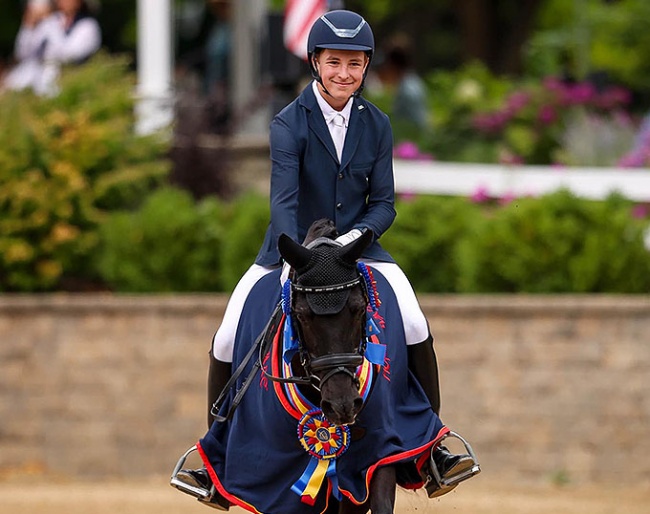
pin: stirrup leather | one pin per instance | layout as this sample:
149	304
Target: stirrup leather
436	485
205	496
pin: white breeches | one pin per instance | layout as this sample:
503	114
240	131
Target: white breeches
416	327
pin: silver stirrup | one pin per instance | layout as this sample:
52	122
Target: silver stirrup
200	493
436	485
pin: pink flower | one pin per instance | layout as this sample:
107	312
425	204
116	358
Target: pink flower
580	93
553	84
507	157
480	195
640	211
507	198
491	123
613	97
517	101
546	115
408	196
407	150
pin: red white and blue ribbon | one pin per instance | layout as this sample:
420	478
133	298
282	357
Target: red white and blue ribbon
325	442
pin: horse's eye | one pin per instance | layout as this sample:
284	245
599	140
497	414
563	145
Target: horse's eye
302	314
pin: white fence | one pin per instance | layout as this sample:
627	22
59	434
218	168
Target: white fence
449	178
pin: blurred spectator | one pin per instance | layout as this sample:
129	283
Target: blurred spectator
409	110
217	63
48	38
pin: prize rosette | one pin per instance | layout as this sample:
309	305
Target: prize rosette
324	442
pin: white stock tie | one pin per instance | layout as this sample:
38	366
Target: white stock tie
337	130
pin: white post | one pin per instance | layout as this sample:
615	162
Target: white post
248	26
154	108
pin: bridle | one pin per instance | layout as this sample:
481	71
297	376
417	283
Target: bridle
331	364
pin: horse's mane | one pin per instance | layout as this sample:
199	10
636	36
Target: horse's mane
321	228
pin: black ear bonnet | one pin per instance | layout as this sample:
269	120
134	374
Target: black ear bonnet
326	267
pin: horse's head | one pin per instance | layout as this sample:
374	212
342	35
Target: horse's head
328	308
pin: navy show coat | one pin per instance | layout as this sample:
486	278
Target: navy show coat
309	183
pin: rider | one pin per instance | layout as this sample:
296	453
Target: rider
331	153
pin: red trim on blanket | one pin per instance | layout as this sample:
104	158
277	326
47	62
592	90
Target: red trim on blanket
219	486
234	499
396	458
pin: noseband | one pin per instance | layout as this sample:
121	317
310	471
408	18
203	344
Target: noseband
331	364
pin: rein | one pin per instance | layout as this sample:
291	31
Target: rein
332	364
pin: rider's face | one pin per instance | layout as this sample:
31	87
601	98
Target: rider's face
341	72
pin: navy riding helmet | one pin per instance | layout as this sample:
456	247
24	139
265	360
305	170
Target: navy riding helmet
340	30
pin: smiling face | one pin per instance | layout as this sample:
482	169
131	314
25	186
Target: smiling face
341	72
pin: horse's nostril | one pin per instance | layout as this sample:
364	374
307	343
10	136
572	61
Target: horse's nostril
326	406
358	403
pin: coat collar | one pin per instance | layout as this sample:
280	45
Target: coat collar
317	124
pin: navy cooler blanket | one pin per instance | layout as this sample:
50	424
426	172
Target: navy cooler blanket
257	458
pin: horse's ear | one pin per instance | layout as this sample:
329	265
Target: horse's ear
296	255
352	251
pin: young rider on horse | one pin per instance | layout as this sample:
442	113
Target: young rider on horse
331	154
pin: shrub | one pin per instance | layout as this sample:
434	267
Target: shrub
170	244
424	239
554	244
64	162
246	223
530	126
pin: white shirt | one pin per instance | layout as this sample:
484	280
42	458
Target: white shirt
337	121
42	49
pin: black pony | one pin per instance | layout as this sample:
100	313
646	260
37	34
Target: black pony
323	415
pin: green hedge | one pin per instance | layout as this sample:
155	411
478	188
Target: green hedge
552	244
556	244
64	163
170	244
424	237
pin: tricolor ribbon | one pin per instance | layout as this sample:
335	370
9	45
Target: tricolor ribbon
325	443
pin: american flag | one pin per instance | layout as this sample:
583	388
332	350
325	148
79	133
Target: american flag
299	16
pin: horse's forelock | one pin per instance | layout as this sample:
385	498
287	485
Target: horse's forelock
321	228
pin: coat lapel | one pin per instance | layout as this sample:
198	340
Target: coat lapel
316	121
355	130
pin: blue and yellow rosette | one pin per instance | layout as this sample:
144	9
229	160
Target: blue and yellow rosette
325	442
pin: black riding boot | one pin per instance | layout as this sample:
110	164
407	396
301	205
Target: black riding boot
424	365
218	375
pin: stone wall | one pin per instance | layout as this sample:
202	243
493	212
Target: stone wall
544	387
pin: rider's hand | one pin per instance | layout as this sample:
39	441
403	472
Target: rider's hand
348	237
284	275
